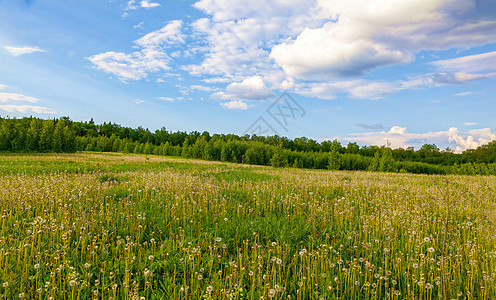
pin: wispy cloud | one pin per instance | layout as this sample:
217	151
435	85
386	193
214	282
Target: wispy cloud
373	126
26	108
166	99
469	64
6	97
235	104
148	4
18	51
133	4
463	94
151	58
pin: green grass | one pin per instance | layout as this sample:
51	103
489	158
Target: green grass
90	225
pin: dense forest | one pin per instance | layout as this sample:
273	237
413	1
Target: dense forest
64	135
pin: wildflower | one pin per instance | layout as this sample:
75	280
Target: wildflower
272	293
430	249
5	284
87	265
210	288
218	239
36	266
21	295
415	266
150	257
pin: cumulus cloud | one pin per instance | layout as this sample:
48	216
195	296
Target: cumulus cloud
301	44
235	104
399	137
2	86
238	35
26	108
151	58
289	42
18	51
252	88
346	44
361	35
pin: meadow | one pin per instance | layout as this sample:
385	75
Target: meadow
116	226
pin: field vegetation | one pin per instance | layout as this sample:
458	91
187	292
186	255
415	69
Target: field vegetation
116	226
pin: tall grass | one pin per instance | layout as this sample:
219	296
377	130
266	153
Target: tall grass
128	227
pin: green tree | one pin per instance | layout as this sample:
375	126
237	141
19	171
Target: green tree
386	163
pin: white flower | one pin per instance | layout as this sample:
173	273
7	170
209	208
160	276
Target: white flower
210	288
272	293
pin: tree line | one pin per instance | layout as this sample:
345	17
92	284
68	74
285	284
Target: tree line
64	135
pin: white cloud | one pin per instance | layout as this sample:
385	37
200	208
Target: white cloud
287	42
469	123
148	4
373	90
6	97
26	108
469	64
139	25
2	86
235	104
151	58
132	5
399	137
359	89
18	51
203	88
169	34
238	35
361	35
252	88
166	99
132	66
345	45
463	94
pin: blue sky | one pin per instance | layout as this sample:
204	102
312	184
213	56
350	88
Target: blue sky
402	73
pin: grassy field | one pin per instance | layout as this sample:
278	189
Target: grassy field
88	226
